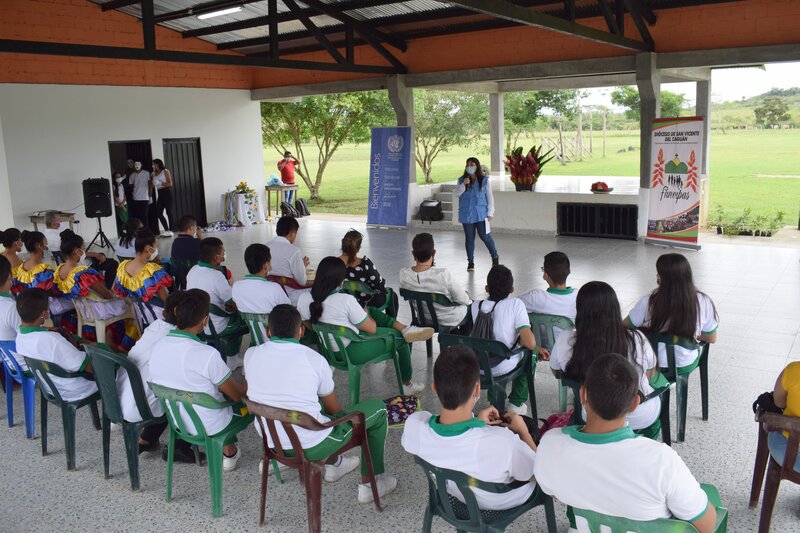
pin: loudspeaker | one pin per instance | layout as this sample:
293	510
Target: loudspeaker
97	197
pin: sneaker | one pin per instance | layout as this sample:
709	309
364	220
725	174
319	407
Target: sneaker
386	484
344	465
470	267
413	388
495	260
113	426
414	334
166	234
229	463
183	455
519	409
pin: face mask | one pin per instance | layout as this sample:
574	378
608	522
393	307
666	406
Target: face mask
138	167
471	170
224	257
153	255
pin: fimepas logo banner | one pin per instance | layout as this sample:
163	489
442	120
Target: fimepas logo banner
677	149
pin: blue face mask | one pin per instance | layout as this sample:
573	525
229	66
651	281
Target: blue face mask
471	170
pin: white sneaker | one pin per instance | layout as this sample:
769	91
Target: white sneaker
519	409
113	426
412	388
386	484
415	334
166	234
229	463
345	464
281	467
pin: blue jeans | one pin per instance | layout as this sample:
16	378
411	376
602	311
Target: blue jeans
288	196
469	241
777	444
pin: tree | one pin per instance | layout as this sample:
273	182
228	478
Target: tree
327	121
772	111
628	97
443	119
523	109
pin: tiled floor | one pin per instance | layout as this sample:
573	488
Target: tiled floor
757	292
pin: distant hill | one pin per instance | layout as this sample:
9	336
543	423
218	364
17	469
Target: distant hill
739	113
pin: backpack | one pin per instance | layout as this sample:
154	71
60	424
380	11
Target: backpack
302	207
556	420
399	408
431	210
483	328
288	210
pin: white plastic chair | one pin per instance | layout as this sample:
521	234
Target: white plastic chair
86	316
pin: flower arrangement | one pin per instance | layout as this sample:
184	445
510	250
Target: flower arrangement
525	169
243	188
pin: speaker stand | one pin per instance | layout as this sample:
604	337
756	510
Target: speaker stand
103	242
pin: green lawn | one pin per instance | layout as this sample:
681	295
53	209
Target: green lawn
736	158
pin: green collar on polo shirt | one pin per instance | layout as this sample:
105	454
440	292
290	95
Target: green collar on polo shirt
576	432
186	334
453	430
6	294
283	339
31	329
553	290
206	265
255	276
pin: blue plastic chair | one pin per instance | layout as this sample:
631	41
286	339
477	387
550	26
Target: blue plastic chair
15	373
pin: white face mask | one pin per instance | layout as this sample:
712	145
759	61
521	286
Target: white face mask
224	257
153	255
137	166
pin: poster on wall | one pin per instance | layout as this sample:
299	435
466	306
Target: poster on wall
675	188
388	176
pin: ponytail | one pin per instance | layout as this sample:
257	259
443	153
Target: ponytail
9	237
31	239
70	242
330	274
351	245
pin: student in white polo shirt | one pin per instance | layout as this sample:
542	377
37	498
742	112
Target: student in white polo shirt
599	330
255	293
478	446
182	361
606	468
676	307
9	318
287	259
326	304
37	342
510	326
285	374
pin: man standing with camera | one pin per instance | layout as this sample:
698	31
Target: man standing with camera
286	166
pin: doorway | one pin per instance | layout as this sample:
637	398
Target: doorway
182	157
119	153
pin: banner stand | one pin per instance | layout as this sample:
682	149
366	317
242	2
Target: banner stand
390	164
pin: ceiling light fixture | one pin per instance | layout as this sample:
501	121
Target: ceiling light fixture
219	13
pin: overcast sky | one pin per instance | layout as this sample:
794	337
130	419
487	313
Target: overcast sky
726	84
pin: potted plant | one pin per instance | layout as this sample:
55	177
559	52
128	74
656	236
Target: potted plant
718	218
525	169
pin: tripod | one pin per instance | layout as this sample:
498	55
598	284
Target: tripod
103	242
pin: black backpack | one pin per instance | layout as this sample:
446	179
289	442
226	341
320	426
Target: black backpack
288	210
431	210
302	207
483	328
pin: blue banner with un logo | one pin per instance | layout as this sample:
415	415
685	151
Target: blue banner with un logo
389	164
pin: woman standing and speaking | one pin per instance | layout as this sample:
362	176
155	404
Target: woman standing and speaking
475	208
162	182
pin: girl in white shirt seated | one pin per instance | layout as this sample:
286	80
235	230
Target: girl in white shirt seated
326	304
126	245
676	307
599	330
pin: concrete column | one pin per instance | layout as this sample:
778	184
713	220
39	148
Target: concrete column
648	80
6	213
496	132
402	100
703	109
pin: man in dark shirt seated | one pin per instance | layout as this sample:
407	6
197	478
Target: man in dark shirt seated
186	246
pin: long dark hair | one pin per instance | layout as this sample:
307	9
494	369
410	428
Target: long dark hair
70	242
9	237
478	171
129	236
351	245
330	274
598	329
673	306
32	239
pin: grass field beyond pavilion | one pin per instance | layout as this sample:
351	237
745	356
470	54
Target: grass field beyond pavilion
759	169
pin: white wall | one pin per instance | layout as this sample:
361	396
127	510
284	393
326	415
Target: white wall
55	136
6	216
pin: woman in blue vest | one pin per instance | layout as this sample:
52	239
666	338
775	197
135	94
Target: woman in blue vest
475	208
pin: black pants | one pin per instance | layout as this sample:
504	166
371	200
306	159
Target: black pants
164	204
108	268
139	210
153	432
152	217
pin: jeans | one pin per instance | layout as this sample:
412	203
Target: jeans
469	241
288	196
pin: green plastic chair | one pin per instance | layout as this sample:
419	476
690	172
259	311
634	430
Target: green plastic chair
173	400
542	326
680	376
661	388
180	268
349	359
105	366
469	517
257	326
228	344
357	288
42	370
423	313
615	524
496	385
